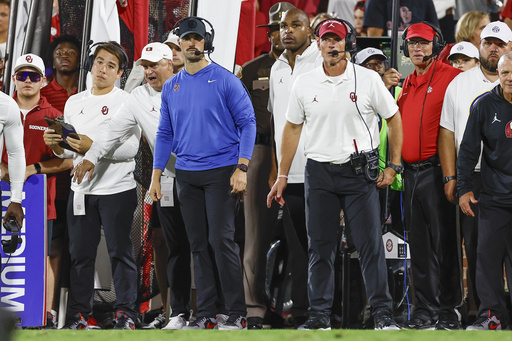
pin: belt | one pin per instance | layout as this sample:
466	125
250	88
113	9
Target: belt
421	165
263	139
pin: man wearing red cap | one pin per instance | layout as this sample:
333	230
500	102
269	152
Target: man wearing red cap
429	216
339	145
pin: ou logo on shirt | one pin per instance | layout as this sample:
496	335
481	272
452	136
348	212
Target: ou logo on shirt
104	110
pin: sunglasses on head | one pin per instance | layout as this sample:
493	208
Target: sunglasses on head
34	76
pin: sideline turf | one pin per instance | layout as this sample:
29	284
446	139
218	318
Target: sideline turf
281	335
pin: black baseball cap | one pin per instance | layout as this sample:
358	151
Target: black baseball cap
192	25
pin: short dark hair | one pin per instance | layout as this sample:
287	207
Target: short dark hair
66	38
6	2
116	49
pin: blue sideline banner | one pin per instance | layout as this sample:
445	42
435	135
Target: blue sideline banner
23	279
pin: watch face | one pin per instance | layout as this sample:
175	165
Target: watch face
242	167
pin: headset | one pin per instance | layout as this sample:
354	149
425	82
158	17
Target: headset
208	37
438	43
89	56
350	38
10	245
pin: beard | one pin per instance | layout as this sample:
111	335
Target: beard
487	65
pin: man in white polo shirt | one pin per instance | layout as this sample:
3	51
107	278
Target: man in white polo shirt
460	95
107	199
142	108
341	140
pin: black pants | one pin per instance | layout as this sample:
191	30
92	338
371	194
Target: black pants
208	209
178	259
115	213
469	231
430	219
294	219
494	245
329	188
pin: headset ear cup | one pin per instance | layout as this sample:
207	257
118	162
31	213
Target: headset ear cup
208	42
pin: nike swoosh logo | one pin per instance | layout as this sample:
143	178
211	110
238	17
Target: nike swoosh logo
211	81
493	325
210	325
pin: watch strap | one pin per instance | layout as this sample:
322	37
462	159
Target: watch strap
37	166
243	167
447	179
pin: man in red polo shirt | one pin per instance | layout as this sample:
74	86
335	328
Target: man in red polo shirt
29	78
429	216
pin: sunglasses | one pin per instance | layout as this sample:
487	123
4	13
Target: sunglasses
34	76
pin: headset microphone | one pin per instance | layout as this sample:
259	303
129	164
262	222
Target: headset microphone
429	57
335	53
198	53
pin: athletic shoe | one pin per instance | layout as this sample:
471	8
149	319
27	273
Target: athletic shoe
234	323
202	323
450	321
176	322
76	322
254	323
157	323
420	324
221	318
486	322
385	322
316	321
92	324
123	321
51	320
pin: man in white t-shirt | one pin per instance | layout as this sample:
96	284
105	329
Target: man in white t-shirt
341	140
107	199
460	95
142	108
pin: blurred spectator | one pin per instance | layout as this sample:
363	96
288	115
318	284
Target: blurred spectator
343	9
464	56
464	6
375	59
445	10
317	20
378	15
359	18
506	13
5	6
177	55
469	27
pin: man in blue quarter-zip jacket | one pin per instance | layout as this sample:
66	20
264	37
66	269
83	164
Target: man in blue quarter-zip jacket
207	120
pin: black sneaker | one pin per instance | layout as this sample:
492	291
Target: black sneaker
385	322
123	321
448	321
318	321
51	321
420	324
157	323
254	323
76	322
202	323
486	321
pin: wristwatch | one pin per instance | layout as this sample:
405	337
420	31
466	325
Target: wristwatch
398	169
447	179
243	167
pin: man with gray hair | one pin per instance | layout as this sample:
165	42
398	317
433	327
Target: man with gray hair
490	124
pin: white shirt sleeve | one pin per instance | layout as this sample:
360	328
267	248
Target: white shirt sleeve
295	109
13	133
120	128
448	112
382	100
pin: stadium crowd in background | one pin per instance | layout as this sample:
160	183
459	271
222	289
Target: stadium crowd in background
220	141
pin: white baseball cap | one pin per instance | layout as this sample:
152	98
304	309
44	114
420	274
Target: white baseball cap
154	52
368	52
465	48
30	60
497	29
173	39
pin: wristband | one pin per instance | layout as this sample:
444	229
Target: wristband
447	179
283	176
37	166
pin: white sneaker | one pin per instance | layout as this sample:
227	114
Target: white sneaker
176	322
221	319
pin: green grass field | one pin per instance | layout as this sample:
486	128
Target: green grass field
282	335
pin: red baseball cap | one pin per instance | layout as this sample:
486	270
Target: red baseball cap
421	30
332	26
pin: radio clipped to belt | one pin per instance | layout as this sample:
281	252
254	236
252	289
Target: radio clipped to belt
365	163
